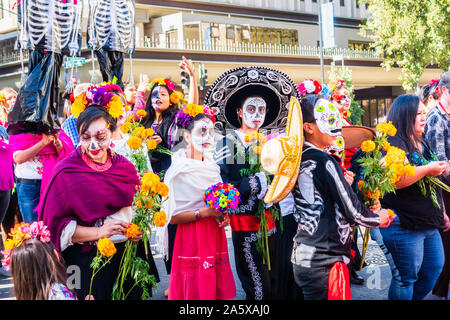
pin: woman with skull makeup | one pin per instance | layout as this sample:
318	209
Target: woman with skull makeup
90	196
200	265
162	106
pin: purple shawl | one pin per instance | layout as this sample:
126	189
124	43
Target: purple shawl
77	192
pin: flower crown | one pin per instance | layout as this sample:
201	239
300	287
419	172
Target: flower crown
102	95
175	96
19	234
189	112
2	98
309	86
433	82
332	85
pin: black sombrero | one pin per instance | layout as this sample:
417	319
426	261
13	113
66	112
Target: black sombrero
234	86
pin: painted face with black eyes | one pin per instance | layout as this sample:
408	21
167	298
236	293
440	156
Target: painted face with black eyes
96	140
327	117
202	135
160	98
254	112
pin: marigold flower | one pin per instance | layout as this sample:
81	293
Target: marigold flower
79	105
132	231
151	144
147	133
368	146
160	218
394	155
125	127
134	142
360	184
115	107
257	149
138	131
386	146
390	212
163	189
106	247
387	128
141	113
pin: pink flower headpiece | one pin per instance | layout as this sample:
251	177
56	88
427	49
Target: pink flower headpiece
433	81
309	86
19	234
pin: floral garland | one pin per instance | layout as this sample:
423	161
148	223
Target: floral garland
184	116
19	234
335	84
102	95
309	86
162	82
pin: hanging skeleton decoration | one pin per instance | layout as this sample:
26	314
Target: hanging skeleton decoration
49	29
110	35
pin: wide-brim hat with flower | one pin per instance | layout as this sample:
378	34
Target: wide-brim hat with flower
233	87
281	156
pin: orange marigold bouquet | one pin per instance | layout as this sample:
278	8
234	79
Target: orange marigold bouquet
148	213
382	166
140	141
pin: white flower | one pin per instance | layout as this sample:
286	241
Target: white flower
309	86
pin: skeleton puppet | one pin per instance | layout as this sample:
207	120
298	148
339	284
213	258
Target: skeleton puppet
49	29
110	35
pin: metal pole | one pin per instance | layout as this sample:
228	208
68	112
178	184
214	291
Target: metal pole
322	76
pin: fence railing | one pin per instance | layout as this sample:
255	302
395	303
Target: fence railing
256	48
232	47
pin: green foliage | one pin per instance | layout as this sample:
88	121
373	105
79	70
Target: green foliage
410	34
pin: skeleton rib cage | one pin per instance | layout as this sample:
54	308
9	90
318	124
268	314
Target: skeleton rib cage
111	25
49	25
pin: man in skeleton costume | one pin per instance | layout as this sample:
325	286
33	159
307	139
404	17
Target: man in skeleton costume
110	35
326	208
49	29
247	99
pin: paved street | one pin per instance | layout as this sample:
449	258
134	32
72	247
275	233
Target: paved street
377	277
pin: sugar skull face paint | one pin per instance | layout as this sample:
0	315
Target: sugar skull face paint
96	140
327	117
160	98
254	112
202	135
342	99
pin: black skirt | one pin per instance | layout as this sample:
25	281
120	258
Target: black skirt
103	282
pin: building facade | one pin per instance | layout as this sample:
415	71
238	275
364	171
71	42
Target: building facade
223	34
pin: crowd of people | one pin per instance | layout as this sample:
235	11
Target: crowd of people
66	190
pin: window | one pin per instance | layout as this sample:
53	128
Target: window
375	110
342	3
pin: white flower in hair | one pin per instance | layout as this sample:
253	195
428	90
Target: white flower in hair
309	86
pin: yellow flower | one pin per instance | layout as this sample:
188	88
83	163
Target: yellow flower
394	155
79	105
176	96
138	131
115	107
160	218
106	247
151	144
132	231
368	146
9	244
147	133
134	143
131	118
141	113
386	146
390	212
409	170
163	189
386	128
125	127
193	109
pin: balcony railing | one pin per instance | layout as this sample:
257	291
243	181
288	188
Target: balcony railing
240	48
256	48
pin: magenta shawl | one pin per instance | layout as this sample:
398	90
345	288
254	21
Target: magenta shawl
77	192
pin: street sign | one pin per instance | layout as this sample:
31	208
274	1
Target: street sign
74	62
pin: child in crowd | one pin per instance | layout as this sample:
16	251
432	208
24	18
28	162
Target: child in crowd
37	269
326	209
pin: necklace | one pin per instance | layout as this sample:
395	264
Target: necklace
97	166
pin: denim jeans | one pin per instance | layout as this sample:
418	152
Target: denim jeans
375	234
419	258
28	199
